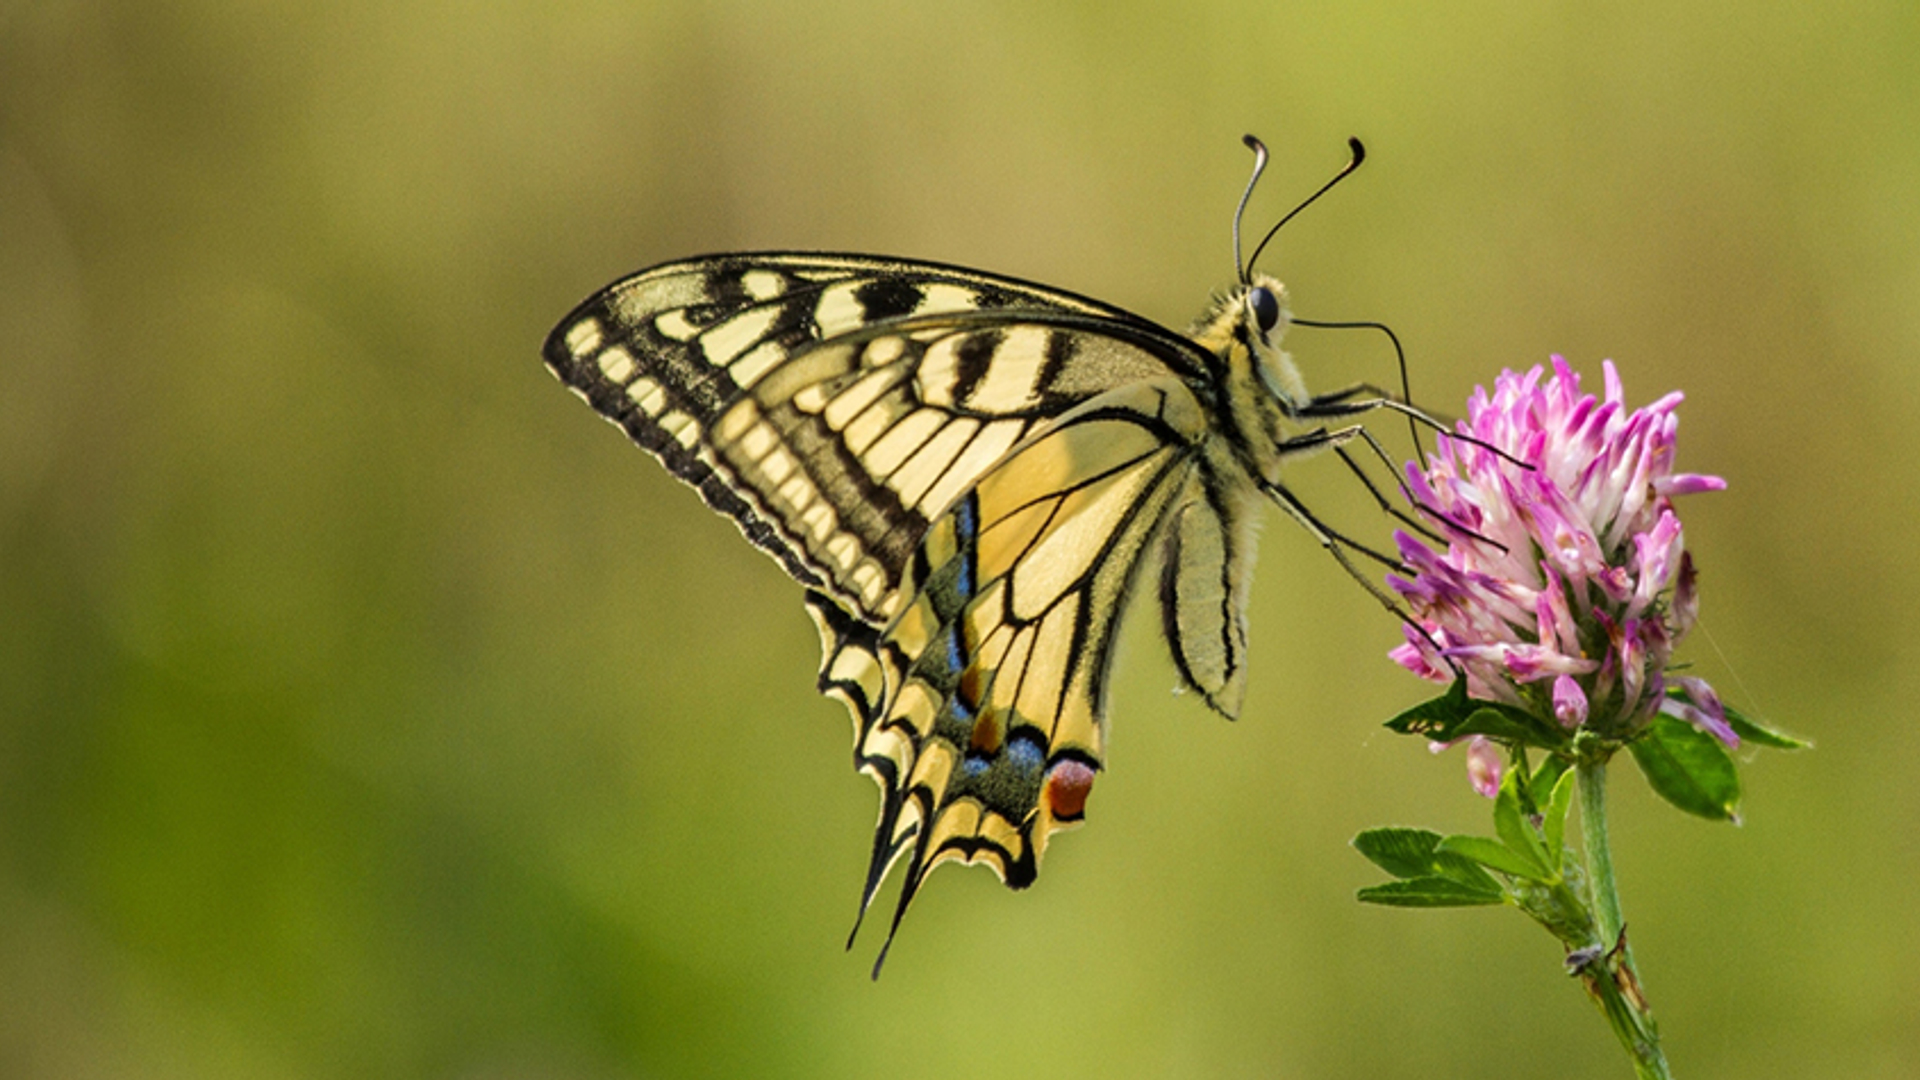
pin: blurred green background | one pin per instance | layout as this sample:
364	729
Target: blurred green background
369	708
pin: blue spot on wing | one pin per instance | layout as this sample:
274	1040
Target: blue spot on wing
956	657
1025	753
966	528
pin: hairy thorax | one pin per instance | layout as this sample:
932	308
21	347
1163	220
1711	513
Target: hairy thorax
1258	389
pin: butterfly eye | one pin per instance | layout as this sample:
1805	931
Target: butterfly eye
1265	307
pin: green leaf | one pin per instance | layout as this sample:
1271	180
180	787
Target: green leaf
1402	852
1759	735
1428	892
1413	853
1499	721
1554	817
1494	855
1548	775
1510	823
1689	768
1434	717
1453	715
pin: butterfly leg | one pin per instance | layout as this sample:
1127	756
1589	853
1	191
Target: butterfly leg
1346	393
1330	405
1320	439
1335	544
1319	409
1380	453
1343	403
1386	505
1332	542
1317	439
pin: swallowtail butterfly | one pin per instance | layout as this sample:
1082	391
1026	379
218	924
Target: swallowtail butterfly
966	472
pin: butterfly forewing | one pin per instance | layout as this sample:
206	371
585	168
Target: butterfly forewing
965	471
843	401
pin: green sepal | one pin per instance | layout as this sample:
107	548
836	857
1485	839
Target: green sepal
1495	855
1428	892
1454	715
1553	817
1749	729
1510	824
1689	768
1414	853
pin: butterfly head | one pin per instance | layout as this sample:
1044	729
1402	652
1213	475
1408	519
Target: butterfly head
1244	330
1263	317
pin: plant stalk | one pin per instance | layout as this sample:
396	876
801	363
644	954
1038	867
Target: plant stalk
1610	976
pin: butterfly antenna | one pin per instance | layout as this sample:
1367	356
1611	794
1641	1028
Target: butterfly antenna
1400	354
1259	166
1359	155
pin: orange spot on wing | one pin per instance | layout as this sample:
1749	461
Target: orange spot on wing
986	732
1068	784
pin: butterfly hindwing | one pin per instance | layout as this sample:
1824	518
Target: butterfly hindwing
981	706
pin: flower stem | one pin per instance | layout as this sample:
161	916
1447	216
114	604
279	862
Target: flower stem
1610	976
1593	837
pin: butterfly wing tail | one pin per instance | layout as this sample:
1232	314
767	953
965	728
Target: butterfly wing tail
851	670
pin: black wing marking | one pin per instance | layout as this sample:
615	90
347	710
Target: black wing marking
831	405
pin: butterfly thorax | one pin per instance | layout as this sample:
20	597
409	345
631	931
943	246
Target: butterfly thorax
1258	388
